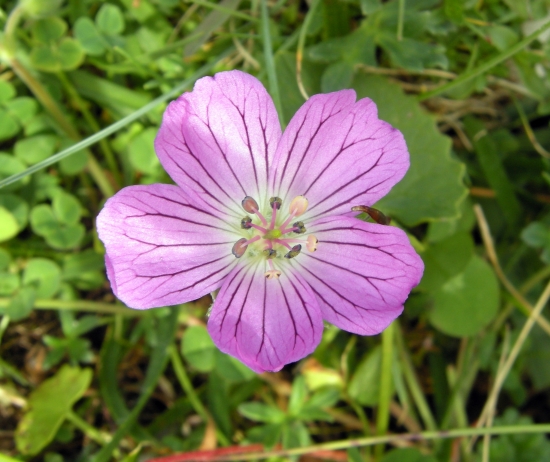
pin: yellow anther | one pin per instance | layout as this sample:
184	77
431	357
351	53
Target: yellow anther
298	205
312	243
272	274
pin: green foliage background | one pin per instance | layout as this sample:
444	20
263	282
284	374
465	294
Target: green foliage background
83	84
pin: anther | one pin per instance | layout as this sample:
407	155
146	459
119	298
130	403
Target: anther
312	243
246	223
250	205
239	248
275	202
270	253
294	251
299	227
272	274
298	205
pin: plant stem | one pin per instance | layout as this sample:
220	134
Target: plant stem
301	45
87	429
386	386
79	305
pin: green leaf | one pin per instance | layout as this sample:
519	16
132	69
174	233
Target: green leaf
413	54
502	37
66	237
36	148
7	91
43	221
8	125
49	30
364	386
10	165
9	226
141	151
536	234
44	275
17	207
23	109
232	369
109	19
71	54
5	259
49	405
467	302
298	396
198	349
337	76
91	41
446	259
66	208
260	412
454	10
432	188
9	283
21	304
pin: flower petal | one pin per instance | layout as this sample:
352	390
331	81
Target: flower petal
160	249
361	273
265	323
338	154
220	139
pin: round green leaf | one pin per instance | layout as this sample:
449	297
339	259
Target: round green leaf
48	407
109	19
44	275
18	208
20	305
88	36
49	29
5	258
7	91
23	109
467	302
8	225
38	8
8	125
66	208
43	221
10	165
198	349
9	283
66	236
36	148
71	54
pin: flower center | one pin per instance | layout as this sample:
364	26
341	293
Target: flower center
275	239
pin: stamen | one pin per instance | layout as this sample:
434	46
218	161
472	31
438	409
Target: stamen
375	214
312	243
275	202
298	205
294	251
250	205
275	206
259	228
239	248
279	241
272	274
270	253
254	239
246	223
299	227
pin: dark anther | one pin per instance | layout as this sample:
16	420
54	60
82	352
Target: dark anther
270	253
375	214
239	248
245	223
294	252
275	202
250	205
300	228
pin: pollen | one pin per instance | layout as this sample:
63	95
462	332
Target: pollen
298	205
312	243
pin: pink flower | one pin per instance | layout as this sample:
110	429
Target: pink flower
265	217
